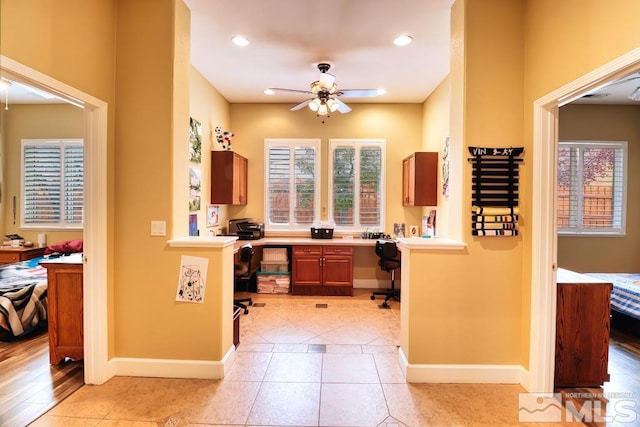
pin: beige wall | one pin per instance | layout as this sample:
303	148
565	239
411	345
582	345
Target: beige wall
605	123
559	49
486	288
48	121
399	124
211	109
435	128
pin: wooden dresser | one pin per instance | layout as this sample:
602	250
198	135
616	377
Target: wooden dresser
582	330
9	255
65	297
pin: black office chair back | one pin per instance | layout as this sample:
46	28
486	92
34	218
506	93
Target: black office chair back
243	270
386	249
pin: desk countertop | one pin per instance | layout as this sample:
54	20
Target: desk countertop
222	241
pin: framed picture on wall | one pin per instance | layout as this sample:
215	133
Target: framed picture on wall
195	141
194	189
213	215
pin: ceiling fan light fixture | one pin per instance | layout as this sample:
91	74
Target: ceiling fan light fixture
403	40
315	105
316	86
333	89
332	104
323	109
635	96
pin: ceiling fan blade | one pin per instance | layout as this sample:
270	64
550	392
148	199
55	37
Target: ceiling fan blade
290	90
342	107
358	93
327	80
302	105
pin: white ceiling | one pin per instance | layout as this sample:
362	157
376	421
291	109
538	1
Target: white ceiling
290	37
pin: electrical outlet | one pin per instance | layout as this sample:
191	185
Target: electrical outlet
158	228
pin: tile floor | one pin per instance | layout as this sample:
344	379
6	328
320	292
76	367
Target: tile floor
298	365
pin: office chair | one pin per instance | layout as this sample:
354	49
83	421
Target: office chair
242	275
387	251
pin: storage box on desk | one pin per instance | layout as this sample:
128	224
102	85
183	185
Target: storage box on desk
321	233
274	266
270	282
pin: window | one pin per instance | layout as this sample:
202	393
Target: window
292	184
356	184
52	183
592	188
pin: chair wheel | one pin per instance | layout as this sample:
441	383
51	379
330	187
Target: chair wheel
385	305
250	302
373	297
246	311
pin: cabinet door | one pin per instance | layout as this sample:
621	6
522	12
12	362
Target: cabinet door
228	178
66	337
307	265
239	180
408	180
582	335
337	266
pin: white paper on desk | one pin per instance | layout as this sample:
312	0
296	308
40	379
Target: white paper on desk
192	280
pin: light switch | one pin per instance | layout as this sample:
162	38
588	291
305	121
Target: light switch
158	228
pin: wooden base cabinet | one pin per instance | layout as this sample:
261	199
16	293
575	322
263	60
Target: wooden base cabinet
65	299
322	270
582	334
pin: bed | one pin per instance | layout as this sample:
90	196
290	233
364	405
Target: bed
625	296
23	298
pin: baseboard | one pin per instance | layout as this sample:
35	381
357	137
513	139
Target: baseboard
171	368
373	284
462	374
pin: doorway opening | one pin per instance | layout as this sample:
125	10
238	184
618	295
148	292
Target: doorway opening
544	227
95	213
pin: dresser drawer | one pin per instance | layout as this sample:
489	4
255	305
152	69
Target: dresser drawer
9	257
338	250
307	250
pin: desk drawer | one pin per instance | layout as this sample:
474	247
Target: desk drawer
338	250
307	250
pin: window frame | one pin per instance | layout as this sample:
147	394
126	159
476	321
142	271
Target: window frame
292	143
579	230
62	224
357	144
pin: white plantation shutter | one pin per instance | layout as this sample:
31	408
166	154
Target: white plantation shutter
356	184
52	183
292	184
591	187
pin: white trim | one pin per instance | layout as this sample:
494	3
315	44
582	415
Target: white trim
202	242
544	242
96	331
173	368
462	374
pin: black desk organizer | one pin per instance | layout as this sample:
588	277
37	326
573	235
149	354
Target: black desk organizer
495	186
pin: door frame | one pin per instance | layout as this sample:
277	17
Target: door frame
96	332
544	228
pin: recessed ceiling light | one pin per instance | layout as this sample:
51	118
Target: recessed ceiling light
402	40
240	41
269	92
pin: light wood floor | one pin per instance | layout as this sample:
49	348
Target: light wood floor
29	385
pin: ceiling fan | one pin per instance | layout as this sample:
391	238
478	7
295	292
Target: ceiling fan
326	93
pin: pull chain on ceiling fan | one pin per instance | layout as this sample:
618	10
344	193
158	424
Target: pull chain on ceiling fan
326	93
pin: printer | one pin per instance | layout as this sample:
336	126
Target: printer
246	229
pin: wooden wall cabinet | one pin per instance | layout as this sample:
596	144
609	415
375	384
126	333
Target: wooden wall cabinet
582	334
420	179
65	300
322	270
228	178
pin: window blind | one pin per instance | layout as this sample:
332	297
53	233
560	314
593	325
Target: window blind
292	184
355	184
53	183
591	187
